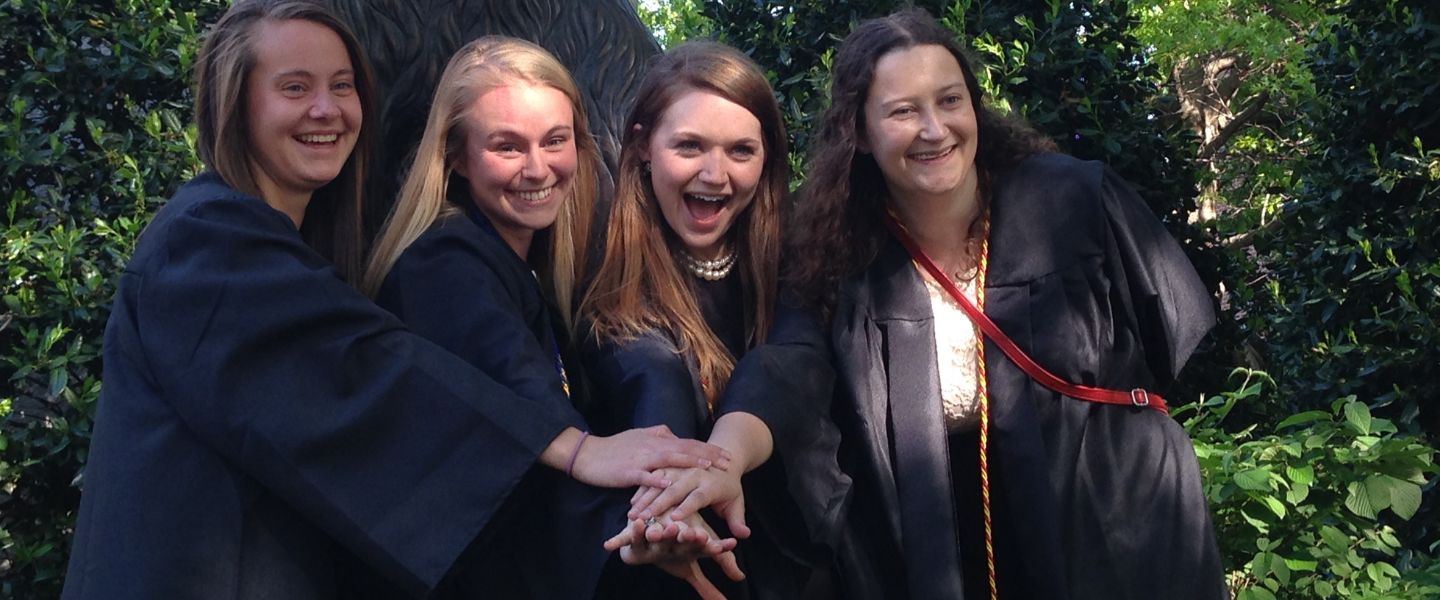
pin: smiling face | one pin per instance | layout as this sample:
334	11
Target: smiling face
920	125
303	111
519	158
706	156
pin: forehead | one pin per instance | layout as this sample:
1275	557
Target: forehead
915	69
521	105
706	113
286	45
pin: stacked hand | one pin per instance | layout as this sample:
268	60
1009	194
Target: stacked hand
676	546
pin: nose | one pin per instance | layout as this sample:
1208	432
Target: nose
324	107
534	166
930	127
712	168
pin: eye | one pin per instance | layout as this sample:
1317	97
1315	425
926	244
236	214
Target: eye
952	100
506	148
688	146
744	151
557	142
903	111
343	87
293	88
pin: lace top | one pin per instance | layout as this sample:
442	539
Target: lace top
955	354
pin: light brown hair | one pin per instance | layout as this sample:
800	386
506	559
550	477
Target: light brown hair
332	224
639	285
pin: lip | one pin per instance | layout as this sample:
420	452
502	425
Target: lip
321	138
933	156
534	196
694	200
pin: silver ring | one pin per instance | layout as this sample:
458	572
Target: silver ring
651	522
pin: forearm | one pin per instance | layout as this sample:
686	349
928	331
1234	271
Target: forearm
558	454
745	437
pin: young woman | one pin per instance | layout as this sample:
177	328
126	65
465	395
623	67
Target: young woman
480	257
971	476
687	327
265	430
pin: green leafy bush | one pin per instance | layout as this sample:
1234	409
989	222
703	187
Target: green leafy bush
92	139
1309	507
1350	274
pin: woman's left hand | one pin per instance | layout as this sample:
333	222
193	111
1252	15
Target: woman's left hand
691	490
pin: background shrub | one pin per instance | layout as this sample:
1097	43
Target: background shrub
93	136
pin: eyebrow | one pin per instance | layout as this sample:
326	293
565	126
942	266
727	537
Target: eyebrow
687	133
958	86
500	134
305	73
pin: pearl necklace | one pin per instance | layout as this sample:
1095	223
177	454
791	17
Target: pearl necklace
709	270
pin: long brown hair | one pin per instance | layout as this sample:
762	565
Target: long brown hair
332	224
839	224
480	66
639	285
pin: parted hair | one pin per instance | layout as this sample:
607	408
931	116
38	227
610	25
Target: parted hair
332	224
639	285
839	224
482	65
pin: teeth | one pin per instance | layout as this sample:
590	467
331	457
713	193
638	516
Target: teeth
534	195
707	198
319	139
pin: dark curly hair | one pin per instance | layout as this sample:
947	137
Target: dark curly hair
839	221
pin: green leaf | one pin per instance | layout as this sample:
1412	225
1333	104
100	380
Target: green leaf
1275	506
1358	500
1404	498
1301	475
1257	479
1358	415
1255	593
1302	418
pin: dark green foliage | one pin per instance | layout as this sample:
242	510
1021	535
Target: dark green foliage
1313	506
1352	268
92	138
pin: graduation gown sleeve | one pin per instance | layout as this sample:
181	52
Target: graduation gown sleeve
465	289
271	384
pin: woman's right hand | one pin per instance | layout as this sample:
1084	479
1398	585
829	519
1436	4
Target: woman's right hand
630	458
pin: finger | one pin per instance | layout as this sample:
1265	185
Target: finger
619	540
660	431
642	505
734	514
693	502
730	566
697	580
649	478
666	500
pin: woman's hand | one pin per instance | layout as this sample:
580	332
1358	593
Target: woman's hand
676	547
691	490
629	458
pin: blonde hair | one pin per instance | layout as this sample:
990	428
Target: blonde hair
332	224
639	285
482	65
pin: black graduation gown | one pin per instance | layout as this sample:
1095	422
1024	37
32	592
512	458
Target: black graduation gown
1090	501
460	286
265	431
794	502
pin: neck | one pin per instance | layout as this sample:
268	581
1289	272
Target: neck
518	240
291	204
941	225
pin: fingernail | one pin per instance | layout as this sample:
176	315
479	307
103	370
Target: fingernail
704	464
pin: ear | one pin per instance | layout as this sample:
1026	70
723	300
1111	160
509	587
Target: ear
862	145
644	149
460	165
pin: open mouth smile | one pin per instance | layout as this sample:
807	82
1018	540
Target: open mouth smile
931	156
534	195
319	138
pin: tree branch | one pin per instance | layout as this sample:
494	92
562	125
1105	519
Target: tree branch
1236	125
